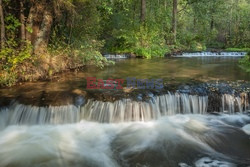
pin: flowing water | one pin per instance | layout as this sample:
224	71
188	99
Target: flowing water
180	140
169	130
179	69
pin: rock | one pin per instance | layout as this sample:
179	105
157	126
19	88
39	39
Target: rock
139	97
79	101
79	92
128	90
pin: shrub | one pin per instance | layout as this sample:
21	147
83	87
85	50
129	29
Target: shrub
245	62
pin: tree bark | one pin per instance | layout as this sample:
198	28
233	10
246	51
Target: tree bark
43	36
29	23
174	19
2	25
35	19
22	20
143	11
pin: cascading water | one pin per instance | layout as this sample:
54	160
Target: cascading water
119	111
171	130
229	103
127	110
232	104
212	54
116	56
124	110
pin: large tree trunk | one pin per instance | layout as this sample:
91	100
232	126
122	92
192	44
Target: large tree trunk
2	25
35	20
143	11
174	19
43	36
39	24
22	20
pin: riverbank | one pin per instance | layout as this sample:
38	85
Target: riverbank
49	66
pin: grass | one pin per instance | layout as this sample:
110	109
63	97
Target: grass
238	49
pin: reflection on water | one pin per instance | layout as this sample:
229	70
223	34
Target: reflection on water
171	70
200	68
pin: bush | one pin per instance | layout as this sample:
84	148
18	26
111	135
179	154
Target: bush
245	62
11	58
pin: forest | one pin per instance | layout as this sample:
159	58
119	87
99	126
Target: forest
125	83
45	37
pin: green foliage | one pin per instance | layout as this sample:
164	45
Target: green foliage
83	29
12	55
238	49
8	78
89	54
11	58
12	23
245	62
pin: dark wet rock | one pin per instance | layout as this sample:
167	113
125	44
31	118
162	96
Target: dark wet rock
150	95
5	101
139	97
215	113
79	101
214	102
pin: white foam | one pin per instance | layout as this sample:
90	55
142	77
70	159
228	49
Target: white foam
246	129
90	144
213	54
208	162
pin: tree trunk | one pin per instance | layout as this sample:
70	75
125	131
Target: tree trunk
212	24
174	19
43	36
143	11
29	24
2	25
22	20
230	21
35	19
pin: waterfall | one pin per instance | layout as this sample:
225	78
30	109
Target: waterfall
213	54
124	110
32	115
128	110
72	136
232	104
116	56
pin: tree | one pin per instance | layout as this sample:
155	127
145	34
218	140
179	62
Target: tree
22	21
43	35
174	19
2	25
40	21
143	11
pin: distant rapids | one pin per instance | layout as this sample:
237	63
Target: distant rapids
212	54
